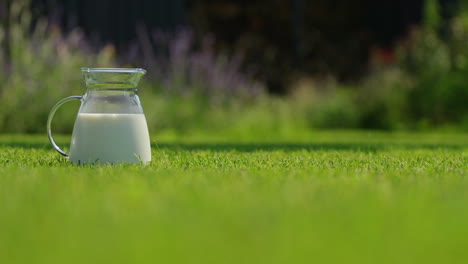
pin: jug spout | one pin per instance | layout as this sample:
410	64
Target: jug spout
112	78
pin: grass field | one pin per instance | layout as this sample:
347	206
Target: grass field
326	197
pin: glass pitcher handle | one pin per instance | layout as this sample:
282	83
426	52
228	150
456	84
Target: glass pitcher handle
49	122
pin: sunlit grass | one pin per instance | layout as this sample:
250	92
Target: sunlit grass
351	197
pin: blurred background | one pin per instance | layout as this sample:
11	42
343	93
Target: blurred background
282	67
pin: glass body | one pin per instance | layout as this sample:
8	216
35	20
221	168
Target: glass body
110	126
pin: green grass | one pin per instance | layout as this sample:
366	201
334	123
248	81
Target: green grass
335	197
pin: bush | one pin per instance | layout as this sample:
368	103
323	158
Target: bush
437	63
41	66
383	99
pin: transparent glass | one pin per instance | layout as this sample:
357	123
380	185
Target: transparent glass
110	126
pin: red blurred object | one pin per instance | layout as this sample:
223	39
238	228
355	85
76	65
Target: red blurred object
383	55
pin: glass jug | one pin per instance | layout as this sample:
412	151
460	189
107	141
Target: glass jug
110	126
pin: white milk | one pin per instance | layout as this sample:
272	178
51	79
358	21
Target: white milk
110	138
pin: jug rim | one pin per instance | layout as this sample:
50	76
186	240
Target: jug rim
112	78
117	70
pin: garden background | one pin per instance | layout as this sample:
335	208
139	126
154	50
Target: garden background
234	67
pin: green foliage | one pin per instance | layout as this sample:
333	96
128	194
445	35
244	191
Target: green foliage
437	66
426	87
326	105
325	197
431	15
383	99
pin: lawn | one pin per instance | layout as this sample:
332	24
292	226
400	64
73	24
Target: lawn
324	197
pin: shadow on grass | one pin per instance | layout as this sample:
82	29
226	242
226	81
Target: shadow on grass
250	147
27	145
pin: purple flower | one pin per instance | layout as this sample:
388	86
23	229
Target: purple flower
187	66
